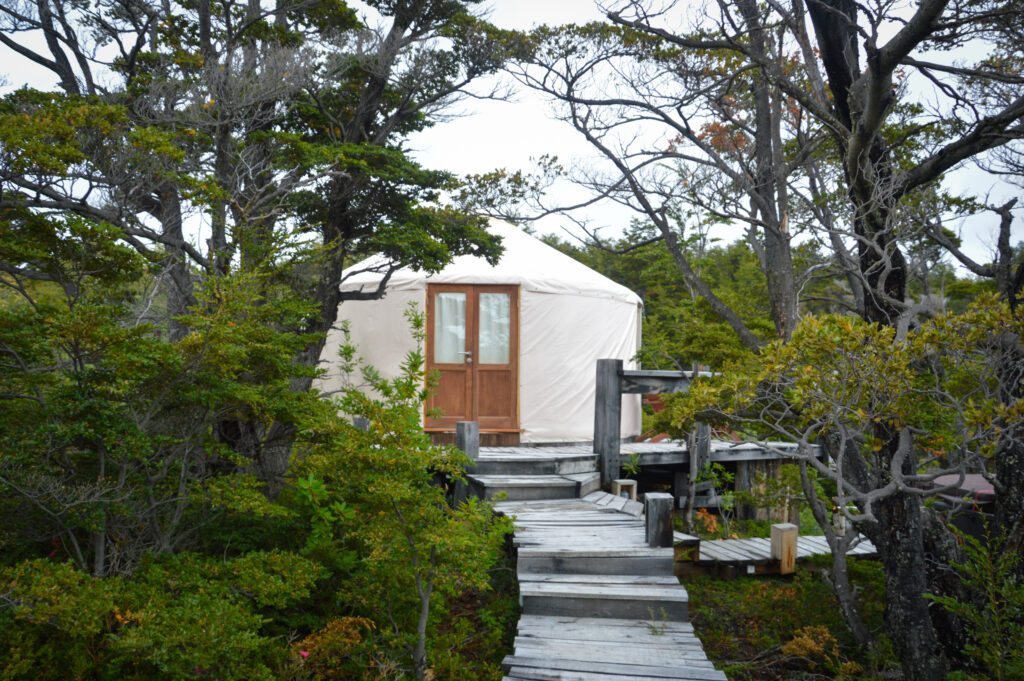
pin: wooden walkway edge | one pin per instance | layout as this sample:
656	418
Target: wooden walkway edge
597	601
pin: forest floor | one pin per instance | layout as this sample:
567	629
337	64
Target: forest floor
773	628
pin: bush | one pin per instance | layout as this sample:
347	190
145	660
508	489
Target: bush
995	616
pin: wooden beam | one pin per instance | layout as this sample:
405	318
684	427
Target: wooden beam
608	418
650	382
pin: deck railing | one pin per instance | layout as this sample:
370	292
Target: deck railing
612	383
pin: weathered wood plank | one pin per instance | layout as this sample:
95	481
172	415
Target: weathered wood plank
533	674
599	580
643	671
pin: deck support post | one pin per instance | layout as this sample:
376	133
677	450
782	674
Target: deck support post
783	545
658	519
467	438
608	418
743	485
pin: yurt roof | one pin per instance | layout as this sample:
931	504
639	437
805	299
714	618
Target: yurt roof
526	261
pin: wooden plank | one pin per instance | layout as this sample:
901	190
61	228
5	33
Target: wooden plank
602	653
560	578
752	552
569	623
652	635
720	551
533	674
654	672
618	503
649	382
614	592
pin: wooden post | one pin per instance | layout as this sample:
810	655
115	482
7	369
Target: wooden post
784	546
467	438
658	519
608	418
699	446
680	486
627	486
743	509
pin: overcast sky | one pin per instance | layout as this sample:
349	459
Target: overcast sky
508	134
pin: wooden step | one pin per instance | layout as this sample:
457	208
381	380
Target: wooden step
616	596
530	668
534	487
518	463
639	560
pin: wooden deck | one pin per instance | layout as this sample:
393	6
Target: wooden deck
666	453
672	453
735	557
598	602
759	550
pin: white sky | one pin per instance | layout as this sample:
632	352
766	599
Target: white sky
491	134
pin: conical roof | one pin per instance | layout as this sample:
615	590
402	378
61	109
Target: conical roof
527	262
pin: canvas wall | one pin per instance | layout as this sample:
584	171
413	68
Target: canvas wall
561	339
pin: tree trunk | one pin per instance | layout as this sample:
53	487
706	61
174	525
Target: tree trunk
840	577
941	551
769	185
180	293
899	537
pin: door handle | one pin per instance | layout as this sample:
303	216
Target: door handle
468	356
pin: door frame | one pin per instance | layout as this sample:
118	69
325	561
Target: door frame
472	292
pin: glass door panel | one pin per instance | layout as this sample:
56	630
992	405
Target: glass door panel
495	328
449	328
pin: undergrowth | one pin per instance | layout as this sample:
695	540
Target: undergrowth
765	628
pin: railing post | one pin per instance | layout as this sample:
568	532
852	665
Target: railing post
658	519
608	418
467	438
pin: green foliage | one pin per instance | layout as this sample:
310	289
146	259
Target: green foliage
111	430
842	375
412	546
631	466
995	616
114	456
783	491
176	615
679	326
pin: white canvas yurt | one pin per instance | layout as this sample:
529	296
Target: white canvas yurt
515	344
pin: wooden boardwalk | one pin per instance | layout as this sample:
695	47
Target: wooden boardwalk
597	601
759	550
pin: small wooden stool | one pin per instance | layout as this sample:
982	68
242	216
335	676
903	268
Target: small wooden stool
620	486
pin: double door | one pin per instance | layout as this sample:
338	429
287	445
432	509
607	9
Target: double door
473	345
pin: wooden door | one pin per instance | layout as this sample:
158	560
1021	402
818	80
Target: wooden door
473	345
